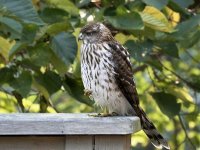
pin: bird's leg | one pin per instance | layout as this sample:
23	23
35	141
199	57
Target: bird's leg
87	92
104	114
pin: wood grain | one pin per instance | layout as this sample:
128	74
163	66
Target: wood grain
66	124
79	143
32	142
117	142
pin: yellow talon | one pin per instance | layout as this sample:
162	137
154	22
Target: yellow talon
87	92
103	115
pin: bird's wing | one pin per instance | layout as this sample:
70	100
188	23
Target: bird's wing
125	82
124	73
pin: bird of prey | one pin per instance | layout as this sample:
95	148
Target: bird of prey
108	77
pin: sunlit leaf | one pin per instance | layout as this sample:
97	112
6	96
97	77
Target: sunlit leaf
5	46
172	16
59	27
180	92
155	19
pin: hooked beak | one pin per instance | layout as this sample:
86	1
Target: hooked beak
80	37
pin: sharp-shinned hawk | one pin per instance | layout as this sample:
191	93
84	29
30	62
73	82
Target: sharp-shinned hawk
108	77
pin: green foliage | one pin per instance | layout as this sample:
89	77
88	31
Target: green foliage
40	59
167	103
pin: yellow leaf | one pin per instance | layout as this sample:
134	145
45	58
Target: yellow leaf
173	17
5	46
155	19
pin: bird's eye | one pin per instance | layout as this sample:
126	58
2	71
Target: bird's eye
89	33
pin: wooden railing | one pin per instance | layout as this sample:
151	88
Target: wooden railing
66	132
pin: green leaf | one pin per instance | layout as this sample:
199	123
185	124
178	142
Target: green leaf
75	88
47	83
136	5
156	3
191	39
16	48
6	75
139	51
65	5
43	104
180	92
176	7
184	3
19	99
154	63
169	48
65	47
26	63
29	33
40	55
186	27
83	3
53	15
23	9
155	19
167	103
11	26
194	82
58	64
126	21
22	84
111	3
142	51
59	27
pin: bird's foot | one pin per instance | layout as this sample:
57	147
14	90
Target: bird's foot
87	92
104	115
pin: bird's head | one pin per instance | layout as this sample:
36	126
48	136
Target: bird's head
95	33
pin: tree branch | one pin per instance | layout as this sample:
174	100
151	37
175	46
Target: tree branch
186	134
140	68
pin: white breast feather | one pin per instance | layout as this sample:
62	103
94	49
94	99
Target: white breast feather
112	98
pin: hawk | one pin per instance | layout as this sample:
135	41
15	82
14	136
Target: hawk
108	77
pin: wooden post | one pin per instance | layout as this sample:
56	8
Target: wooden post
66	132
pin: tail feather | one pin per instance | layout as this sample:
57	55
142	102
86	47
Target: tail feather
150	130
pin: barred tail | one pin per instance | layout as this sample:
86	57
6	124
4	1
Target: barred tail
150	130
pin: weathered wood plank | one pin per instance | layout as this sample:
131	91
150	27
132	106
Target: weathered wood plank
79	143
32	142
66	124
113	142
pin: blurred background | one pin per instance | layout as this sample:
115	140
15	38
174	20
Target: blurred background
40	59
